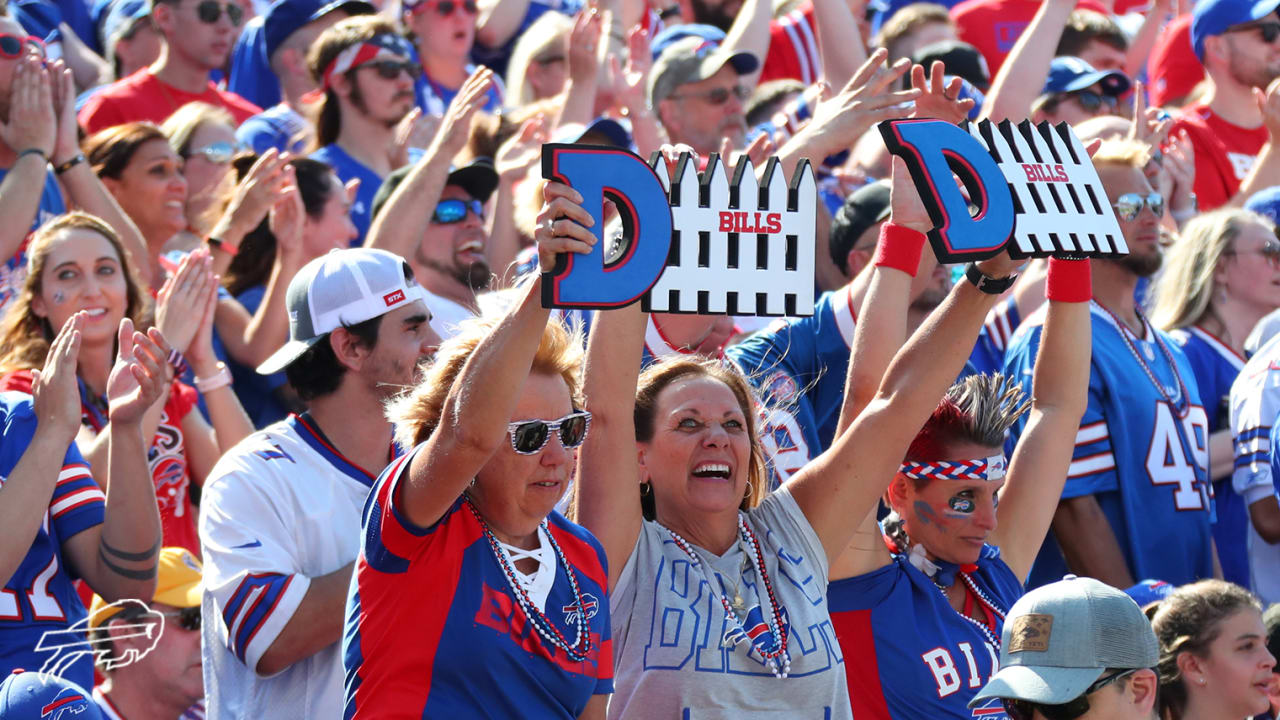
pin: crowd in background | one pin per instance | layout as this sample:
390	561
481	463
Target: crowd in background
286	431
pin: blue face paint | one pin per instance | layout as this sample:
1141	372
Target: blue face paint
58	297
925	512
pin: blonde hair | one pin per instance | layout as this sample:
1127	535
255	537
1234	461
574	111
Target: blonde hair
181	126
1184	292
1124	152
547	32
417	414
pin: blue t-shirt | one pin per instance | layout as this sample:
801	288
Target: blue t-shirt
251	77
257	393
434	98
1142	453
1216	366
348	168
279	127
39	598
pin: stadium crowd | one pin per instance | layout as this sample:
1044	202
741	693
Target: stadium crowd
287	432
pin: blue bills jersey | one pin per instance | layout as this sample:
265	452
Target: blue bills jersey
1141	451
908	653
39	606
1216	366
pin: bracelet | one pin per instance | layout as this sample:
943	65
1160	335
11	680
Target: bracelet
33	151
178	362
899	248
218	243
1069	280
220	379
74	161
985	283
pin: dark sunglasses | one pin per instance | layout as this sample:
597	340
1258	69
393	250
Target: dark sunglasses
1270	250
188	618
210	12
720	95
1024	709
391	69
528	437
1092	101
12	46
445	8
1269	30
1129	205
218	153
455	211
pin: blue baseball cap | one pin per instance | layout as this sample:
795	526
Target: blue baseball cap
1266	202
1068	74
284	17
119	20
26	695
611	129
676	33
882	10
1213	17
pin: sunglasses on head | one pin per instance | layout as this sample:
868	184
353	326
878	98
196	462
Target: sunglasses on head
391	69
528	437
1092	101
1269	30
445	8
455	211
1024	709
210	12
218	153
1129	205
720	95
12	46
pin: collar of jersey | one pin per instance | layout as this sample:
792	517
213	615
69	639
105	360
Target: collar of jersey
310	433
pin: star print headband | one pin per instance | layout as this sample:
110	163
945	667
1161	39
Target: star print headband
377	47
986	469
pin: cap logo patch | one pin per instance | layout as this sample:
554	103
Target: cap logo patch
392	298
1031	632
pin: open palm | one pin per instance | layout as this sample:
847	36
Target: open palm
140	376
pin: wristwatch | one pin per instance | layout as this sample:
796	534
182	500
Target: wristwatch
986	283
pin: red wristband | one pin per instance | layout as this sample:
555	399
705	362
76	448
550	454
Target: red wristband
899	248
1069	280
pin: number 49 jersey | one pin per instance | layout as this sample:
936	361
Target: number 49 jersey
39	597
1141	451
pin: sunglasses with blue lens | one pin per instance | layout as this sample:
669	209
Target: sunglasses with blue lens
455	211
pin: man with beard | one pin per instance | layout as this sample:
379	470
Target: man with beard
1136	500
449	259
366	75
280	515
696	89
1239	45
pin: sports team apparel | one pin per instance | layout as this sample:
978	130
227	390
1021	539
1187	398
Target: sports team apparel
1224	153
279	127
435	629
39	597
793	47
13	270
908	653
1141	450
143	96
1255	403
166	458
281	507
347	169
1216	366
680	656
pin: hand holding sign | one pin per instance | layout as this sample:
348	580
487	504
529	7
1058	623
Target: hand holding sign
562	225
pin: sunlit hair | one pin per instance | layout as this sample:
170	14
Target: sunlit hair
1123	152
1189	620
671	369
339	37
181	126
1183	294
977	410
546	35
110	151
417	414
25	336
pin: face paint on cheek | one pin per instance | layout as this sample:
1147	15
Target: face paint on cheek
59	297
961	508
924	511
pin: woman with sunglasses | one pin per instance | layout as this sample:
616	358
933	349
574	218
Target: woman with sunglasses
472	597
443	32
204	137
1214	663
1220	278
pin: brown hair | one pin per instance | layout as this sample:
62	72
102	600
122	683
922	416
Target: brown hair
1189	620
110	151
324	50
905	22
25	336
1085	26
669	370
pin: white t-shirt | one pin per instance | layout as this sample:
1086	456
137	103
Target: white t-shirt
1255	403
668	623
278	509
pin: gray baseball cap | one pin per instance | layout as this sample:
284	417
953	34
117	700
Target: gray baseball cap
693	59
343	287
1060	638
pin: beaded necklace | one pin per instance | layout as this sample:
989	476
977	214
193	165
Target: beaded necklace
582	644
964	576
1180	405
774	619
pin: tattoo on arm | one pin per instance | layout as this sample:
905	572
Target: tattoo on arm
147	573
134	557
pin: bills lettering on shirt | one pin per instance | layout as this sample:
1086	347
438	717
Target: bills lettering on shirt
1224	153
1141	451
40	597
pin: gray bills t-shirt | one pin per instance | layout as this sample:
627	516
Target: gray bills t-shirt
669	623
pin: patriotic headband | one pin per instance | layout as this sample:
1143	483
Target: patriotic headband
378	46
987	469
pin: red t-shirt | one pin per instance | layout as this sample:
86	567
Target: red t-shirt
166	457
142	96
993	26
1224	153
1173	66
793	48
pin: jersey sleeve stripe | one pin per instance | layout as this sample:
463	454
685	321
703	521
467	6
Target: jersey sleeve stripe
1092	464
252	624
73	472
76	499
806	68
1263	432
1257	458
1092	433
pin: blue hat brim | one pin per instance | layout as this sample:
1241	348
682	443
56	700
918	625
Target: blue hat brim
1113	82
1204	9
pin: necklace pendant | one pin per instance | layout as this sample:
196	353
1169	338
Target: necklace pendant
738	603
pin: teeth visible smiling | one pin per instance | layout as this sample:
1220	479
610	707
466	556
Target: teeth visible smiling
95	312
709	469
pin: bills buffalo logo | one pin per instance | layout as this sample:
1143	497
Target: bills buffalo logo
169	473
70	643
590	605
755	630
781	388
68	702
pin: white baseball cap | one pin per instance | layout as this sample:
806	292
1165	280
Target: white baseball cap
342	288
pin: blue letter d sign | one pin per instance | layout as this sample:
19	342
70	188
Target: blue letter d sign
588	281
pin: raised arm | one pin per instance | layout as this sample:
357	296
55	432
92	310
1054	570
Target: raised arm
1023	73
750	33
1059	397
29	127
839	41
478	407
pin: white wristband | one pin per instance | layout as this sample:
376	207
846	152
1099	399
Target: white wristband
222	378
